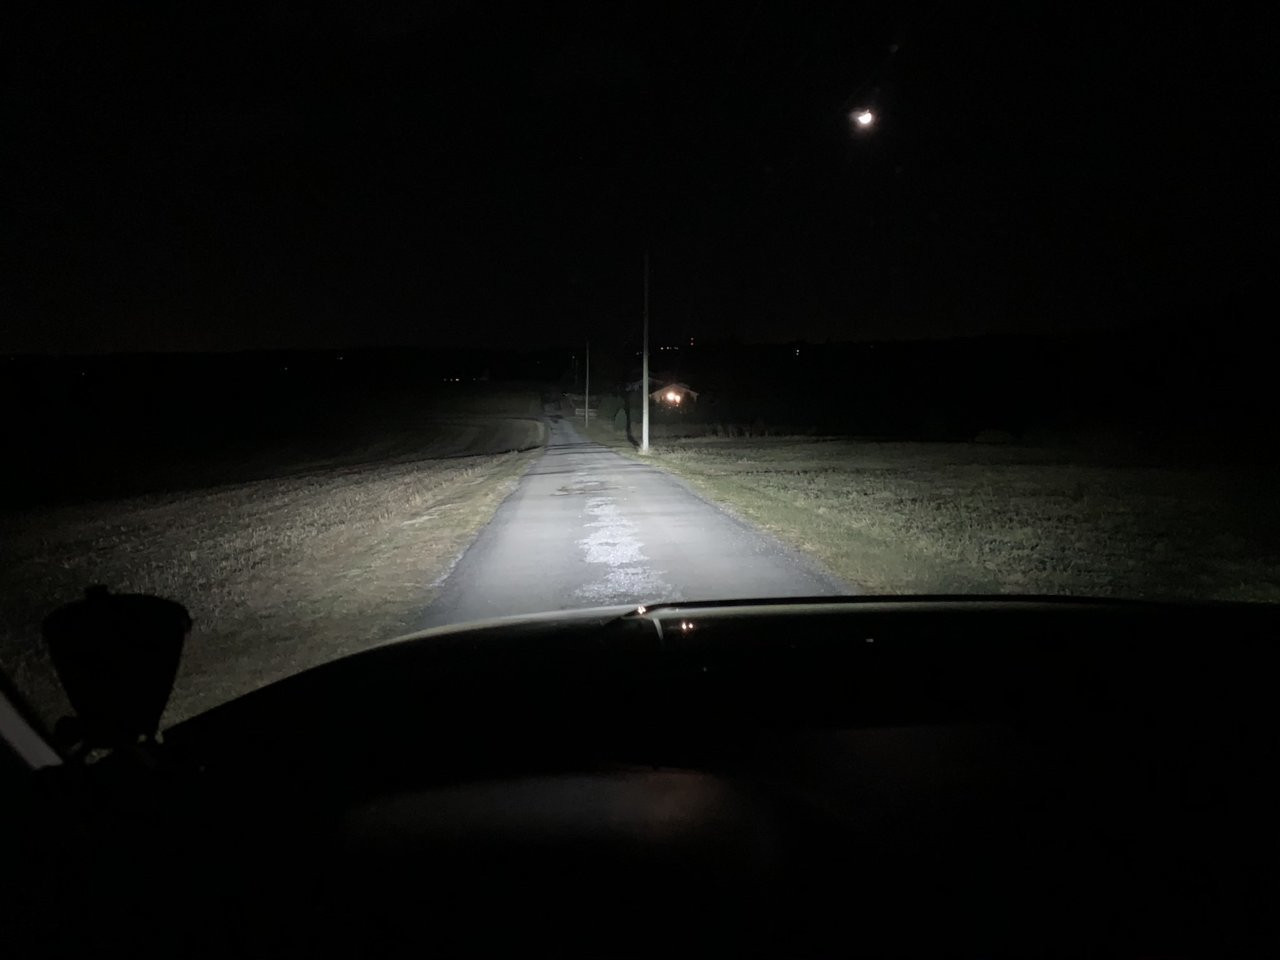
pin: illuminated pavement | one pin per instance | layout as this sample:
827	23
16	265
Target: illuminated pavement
589	527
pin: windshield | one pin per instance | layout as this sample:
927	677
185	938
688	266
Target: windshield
339	323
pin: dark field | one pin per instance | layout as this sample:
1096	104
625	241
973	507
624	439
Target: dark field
297	522
1177	397
116	426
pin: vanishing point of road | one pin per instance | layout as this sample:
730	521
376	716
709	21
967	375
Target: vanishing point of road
589	527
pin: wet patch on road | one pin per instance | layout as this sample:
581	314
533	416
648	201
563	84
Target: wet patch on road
612	544
584	488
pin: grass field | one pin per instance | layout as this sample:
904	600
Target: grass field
110	447
943	517
280	573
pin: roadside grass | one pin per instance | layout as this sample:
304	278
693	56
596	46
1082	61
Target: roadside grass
901	517
279	575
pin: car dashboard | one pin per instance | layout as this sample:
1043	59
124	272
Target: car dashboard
875	777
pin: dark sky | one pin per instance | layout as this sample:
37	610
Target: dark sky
216	175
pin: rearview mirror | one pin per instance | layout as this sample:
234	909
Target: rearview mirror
116	656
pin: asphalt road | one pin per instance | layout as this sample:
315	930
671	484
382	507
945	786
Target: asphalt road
589	527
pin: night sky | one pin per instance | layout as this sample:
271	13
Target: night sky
215	175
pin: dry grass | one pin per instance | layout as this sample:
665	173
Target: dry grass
934	517
279	575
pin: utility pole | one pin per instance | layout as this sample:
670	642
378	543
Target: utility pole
644	367
586	390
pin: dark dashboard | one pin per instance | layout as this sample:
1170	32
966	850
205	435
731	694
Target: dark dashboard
869	776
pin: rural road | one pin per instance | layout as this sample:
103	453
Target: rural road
589	527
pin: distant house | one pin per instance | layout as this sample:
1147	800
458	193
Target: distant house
671	393
674	394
